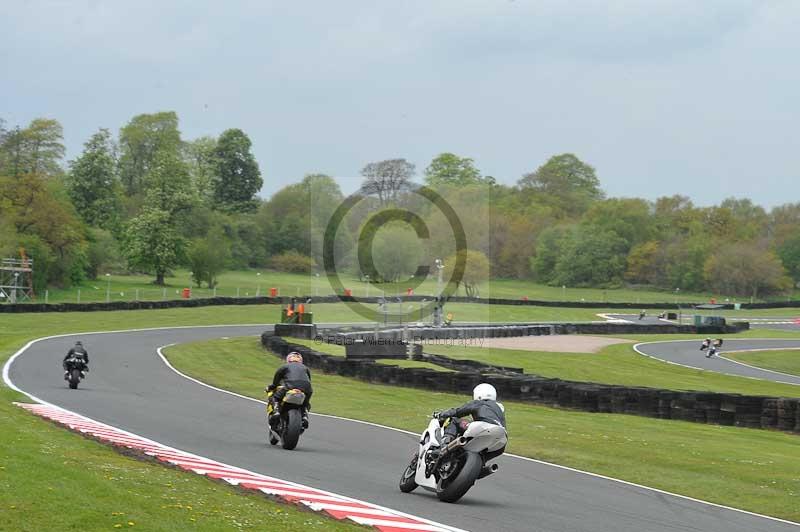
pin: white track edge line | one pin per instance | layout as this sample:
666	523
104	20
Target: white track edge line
528	459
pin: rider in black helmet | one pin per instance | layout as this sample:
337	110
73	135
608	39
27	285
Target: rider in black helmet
79	352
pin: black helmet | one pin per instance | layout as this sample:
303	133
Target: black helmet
79	343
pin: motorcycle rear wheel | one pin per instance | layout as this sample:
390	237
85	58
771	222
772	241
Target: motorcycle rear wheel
291	432
453	488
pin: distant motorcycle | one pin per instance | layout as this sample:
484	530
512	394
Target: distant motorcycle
287	426
451	470
76	370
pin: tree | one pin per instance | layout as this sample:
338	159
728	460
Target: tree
745	268
385	179
565	182
476	270
548	250
140	140
396	253
103	253
641	263
238	178
168	184
295	218
450	169
629	218
784	222
36	149
93	185
45	149
749	221
789	253
208	257
199	157
679	262
590	256
152	240
43	221
152	244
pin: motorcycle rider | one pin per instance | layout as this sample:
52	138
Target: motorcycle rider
483	407
77	351
293	374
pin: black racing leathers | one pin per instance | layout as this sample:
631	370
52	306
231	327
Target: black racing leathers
293	375
77	352
480	410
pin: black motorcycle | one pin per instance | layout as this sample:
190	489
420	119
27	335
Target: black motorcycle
76	370
287	425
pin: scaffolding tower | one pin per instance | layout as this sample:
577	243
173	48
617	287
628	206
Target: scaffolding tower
16	280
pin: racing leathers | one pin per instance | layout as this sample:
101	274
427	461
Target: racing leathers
290	376
77	352
481	410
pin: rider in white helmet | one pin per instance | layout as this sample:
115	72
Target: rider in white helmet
483	407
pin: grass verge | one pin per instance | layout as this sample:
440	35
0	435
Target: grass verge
43	468
785	361
750	469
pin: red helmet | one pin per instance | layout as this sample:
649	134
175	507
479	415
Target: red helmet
294	356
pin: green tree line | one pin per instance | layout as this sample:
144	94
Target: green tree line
147	200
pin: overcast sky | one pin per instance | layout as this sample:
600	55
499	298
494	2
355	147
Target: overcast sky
662	97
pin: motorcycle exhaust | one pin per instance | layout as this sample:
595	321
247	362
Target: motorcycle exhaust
488	470
453	445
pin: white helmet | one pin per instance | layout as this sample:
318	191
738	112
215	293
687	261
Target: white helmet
484	391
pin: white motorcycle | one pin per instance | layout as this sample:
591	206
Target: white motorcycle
450	471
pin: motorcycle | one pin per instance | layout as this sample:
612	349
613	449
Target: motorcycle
288	424
451	470
76	368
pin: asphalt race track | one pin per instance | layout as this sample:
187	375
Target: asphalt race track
688	353
131	388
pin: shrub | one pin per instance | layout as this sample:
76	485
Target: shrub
293	262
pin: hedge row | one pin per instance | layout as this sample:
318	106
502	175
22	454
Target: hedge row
701	407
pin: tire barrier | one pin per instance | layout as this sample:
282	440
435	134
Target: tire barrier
212	301
777	413
504	331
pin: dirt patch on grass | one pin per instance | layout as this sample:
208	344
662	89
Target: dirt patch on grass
566	343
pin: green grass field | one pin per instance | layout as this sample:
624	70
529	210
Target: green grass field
750	469
785	361
246	283
42	467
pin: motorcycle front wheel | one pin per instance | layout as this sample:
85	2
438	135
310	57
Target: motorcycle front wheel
452	488
74	378
407	483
